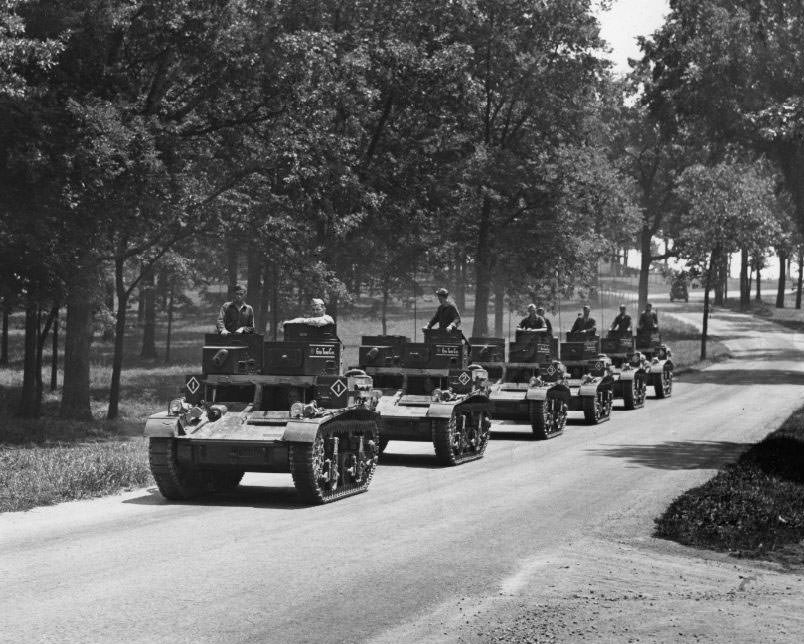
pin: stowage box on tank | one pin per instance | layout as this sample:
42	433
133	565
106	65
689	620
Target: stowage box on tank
299	413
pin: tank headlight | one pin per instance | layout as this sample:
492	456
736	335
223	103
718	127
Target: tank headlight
436	395
176	406
215	412
297	410
480	374
533	381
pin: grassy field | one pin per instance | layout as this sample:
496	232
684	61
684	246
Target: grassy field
48	461
752	508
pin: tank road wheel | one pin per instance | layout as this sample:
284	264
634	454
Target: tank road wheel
664	388
225	480
461	438
175	481
339	462
634	396
597	408
547	417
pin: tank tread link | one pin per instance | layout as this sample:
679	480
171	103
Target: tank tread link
430	393
530	385
300	414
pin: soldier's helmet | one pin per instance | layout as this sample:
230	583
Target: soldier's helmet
442	291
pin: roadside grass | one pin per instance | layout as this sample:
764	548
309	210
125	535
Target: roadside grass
752	508
52	473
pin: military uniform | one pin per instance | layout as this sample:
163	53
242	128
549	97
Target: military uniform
621	327
535	322
584	325
648	321
232	317
445	315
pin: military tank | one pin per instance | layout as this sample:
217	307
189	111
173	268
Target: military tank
530	385
630	370
589	377
269	407
660	359
430	393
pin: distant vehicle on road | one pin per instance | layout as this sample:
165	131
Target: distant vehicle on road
679	290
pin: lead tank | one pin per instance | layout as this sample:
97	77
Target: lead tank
430	393
263	406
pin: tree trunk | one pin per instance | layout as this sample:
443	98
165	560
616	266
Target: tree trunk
644	266
148	298
4	337
745	286
783	266
30	401
275	301
54	359
483	269
705	325
384	311
717	282
77	342
171	292
119	340
499	308
254	286
232	263
800	281
759	282
265	298
460	283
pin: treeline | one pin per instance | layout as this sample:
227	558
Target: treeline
331	147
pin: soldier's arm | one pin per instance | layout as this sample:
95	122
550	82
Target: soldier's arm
456	319
221	323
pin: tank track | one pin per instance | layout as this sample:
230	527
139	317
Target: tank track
456	444
597	408
175	482
634	397
547	418
320	476
664	388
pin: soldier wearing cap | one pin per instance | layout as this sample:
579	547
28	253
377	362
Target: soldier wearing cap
318	318
584	323
534	320
446	316
621	326
236	316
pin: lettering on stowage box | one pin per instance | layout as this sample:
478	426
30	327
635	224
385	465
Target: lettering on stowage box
322	350
447	350
542	348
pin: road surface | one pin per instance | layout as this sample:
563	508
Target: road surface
539	540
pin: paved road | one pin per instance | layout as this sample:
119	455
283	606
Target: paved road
403	561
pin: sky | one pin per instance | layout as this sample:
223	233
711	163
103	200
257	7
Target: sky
626	20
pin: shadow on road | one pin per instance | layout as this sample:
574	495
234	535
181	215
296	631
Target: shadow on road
678	455
743	376
427	461
255	496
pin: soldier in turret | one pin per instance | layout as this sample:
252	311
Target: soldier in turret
236	316
585	323
318	318
534	320
621	326
446	316
547	324
648	321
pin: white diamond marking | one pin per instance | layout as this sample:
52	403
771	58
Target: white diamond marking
551	370
192	385
338	388
464	378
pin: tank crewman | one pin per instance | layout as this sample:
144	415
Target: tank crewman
318	318
584	323
648	320
534	320
446	316
621	327
236	316
547	324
